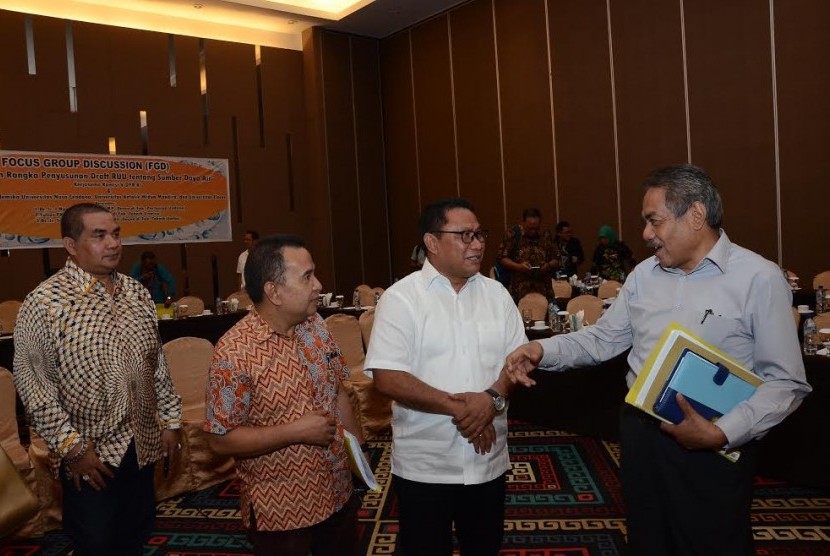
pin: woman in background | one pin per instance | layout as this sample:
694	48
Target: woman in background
612	258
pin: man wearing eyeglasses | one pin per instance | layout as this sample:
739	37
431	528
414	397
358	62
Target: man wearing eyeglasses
437	349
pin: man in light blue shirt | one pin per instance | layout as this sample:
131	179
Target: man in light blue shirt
682	497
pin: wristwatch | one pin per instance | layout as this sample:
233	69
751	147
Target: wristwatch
499	401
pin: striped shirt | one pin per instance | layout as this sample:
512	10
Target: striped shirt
89	365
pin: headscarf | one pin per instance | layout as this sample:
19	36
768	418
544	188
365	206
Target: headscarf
608	232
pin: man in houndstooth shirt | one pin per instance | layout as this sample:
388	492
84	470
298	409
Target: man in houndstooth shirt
90	370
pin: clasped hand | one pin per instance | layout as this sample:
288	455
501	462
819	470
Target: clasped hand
473	417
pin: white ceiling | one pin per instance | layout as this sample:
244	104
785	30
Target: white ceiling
263	22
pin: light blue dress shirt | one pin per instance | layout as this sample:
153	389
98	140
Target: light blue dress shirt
750	305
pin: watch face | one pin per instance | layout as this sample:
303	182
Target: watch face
499	403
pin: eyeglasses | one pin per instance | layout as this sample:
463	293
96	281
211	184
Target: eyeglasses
467	235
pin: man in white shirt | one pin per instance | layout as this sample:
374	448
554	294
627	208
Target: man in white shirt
251	237
437	349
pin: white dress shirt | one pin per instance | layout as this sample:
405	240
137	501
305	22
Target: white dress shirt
749	308
240	267
455	342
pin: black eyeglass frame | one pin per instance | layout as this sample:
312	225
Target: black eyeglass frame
466	235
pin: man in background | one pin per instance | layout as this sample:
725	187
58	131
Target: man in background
682	497
251	237
155	277
570	250
437	349
90	370
275	400
530	254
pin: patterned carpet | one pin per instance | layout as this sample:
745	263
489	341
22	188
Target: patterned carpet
563	499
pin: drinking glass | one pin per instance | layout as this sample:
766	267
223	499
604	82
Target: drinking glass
527	317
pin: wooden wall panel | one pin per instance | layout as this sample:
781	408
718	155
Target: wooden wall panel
370	167
650	97
477	123
802	50
434	119
583	104
731	114
527	133
399	134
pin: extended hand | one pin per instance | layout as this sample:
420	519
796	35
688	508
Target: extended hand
316	427
475	412
694	432
522	361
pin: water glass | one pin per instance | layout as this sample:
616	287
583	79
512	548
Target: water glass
527	317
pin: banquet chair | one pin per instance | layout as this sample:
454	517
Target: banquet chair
608	289
243	297
10	440
197	466
376	291
537	304
345	330
562	289
367	296
195	305
822	279
366	321
8	314
591	304
372	410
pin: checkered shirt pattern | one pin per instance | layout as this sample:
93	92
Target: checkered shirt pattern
88	364
260	378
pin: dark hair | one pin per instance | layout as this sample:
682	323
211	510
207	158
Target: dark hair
531	212
434	215
562	225
254	235
266	263
686	184
148	255
72	220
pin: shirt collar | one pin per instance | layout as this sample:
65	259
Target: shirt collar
430	274
718	255
262	331
86	281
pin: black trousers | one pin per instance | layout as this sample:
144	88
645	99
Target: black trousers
683	502
336	535
427	513
115	520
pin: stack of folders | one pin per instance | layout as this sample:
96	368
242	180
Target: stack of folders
712	382
357	461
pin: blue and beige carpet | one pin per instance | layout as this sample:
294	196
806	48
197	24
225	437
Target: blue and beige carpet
563	499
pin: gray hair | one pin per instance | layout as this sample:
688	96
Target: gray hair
686	184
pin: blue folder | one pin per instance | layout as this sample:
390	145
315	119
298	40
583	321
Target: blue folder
709	387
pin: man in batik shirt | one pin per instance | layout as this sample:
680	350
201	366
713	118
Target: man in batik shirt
275	400
530	254
90	370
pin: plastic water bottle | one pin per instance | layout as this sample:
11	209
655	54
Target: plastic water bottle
356	299
553	310
810	337
821	296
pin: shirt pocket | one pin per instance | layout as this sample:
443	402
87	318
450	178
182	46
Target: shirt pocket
491	337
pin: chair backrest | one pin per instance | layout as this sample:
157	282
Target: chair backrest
591	304
195	306
822	321
822	279
8	314
9	435
796	316
562	289
243	297
367	296
189	359
346	332
537	304
608	289
366	321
